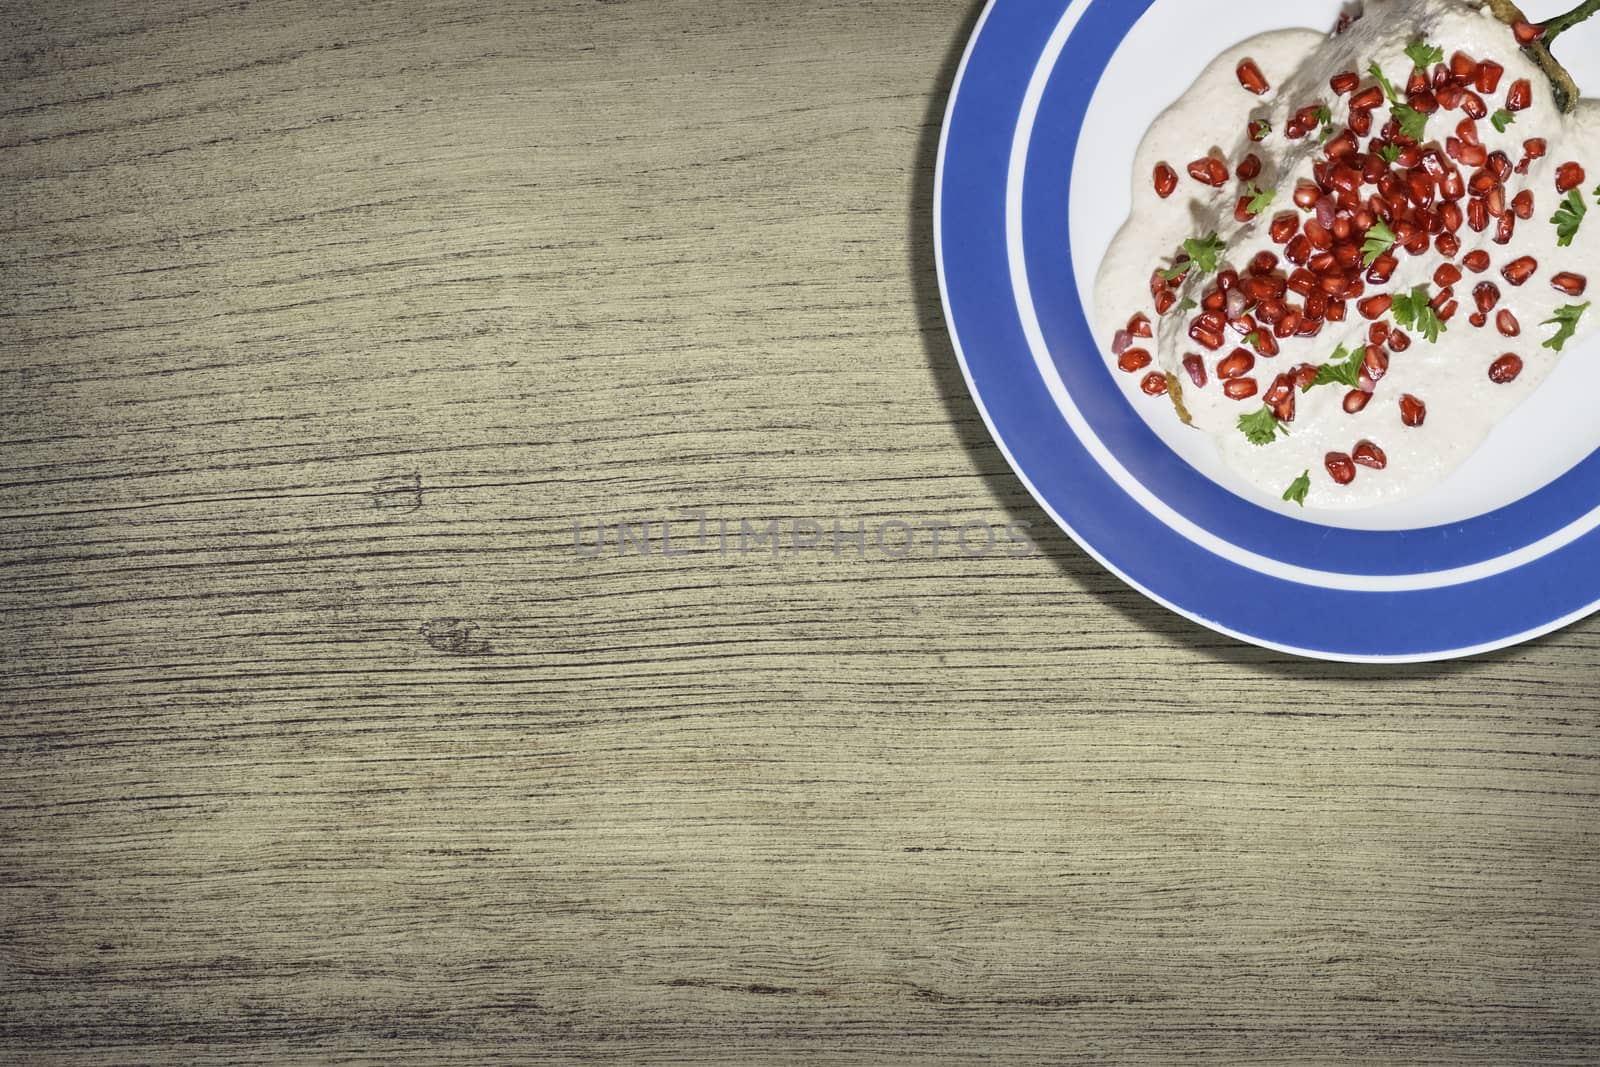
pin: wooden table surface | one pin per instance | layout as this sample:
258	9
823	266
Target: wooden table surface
326	740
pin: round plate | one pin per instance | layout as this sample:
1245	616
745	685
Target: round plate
1049	105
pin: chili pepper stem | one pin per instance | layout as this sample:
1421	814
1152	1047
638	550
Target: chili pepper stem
1562	23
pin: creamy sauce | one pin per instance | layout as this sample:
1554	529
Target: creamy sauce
1451	376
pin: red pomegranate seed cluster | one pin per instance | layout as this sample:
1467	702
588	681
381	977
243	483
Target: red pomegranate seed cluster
1375	195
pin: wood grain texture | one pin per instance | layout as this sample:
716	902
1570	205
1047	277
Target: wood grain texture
320	327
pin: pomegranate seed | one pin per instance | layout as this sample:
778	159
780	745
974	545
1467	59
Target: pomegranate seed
1478	319
1467	130
1449	96
1499	165
1448	245
1306	195
1504	228
1355	401
1536	147
1241	209
1423	101
1375	307
1266	344
1399	340
1139	326
1489	74
1263	263
1472	155
1447	275
1478	216
1383	268
1249	167
1522	204
1251	78
1197	370
1416	81
1486	295
1413	412
1448	311
1526	32
1134	359
1337	311
1472	104
1570	283
1463	67
1284	226
1287	326
1520	96
1304	374
1505	369
1375	363
1236	364
1369	455
1568	177
1166	180
1340	467
1211	339
1519	270
1227	279
1154	383
1200	171
1239	388
1507	323
1481	182
1280	397
1368	99
1165	302
1496	202
1378	332
1476	261
1346	82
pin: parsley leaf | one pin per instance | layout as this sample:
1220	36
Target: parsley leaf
1424	55
1261	427
1343	368
1177	271
1253	339
1261	201
1413	311
1188	305
1204	252
1390	153
1568	217
1413	123
1388	86
1259	129
1567	319
1296	493
1379	240
1502	119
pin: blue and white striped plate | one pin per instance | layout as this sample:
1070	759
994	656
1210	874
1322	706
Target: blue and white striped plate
1048	107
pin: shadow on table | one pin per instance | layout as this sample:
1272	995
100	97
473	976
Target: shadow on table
991	466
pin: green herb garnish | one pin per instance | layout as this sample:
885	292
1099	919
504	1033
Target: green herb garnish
1569	216
1379	240
1413	123
1502	119
1261	200
1296	493
1413	311
1388	86
1424	55
1261	427
1342	368
1567	321
1188	304
1390	153
1204	252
